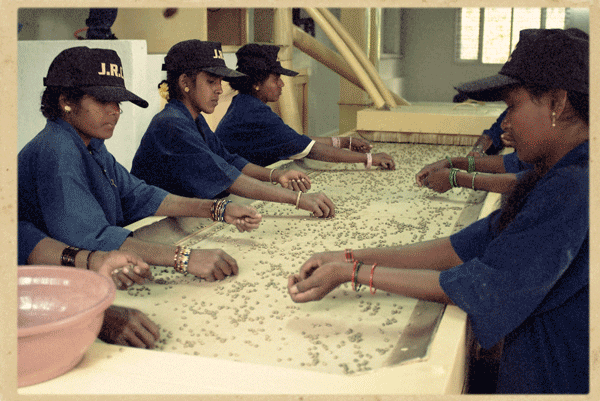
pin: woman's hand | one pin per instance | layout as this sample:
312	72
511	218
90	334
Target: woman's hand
126	326
211	264
245	218
318	204
384	160
360	145
123	267
294	180
316	280
431	168
438	180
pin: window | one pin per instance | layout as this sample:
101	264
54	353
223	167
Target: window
489	35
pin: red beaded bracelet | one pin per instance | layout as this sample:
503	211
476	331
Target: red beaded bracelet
371	279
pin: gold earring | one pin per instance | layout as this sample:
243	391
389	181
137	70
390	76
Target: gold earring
553	119
256	88
186	89
67	109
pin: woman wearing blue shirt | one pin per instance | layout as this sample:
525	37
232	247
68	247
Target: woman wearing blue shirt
251	129
73	190
181	154
522	273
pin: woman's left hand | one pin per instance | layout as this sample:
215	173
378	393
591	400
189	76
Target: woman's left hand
127	326
294	180
123	267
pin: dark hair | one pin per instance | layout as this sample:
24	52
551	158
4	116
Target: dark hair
173	82
50	100
245	84
515	199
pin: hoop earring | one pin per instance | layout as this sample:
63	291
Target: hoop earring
186	89
553	119
67	109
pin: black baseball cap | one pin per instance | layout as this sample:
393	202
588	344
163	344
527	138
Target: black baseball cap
196	54
552	58
97	72
254	57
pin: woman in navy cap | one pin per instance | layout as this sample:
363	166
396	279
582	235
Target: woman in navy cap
522	273
251	129
180	153
73	190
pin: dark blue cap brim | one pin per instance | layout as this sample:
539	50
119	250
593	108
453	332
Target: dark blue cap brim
114	94
487	89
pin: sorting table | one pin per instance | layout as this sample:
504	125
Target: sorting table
245	335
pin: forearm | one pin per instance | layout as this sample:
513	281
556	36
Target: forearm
49	251
490	164
251	188
331	154
176	206
498	183
152	253
257	172
420	284
437	254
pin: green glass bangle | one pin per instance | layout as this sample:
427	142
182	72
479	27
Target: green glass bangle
471	167
473	181
449	161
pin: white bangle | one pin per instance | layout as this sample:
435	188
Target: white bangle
335	142
369	162
350	143
298	200
473	180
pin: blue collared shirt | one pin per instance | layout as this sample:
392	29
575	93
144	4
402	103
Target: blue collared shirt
251	129
530	284
184	156
80	195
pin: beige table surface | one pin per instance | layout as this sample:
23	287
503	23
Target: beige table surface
244	335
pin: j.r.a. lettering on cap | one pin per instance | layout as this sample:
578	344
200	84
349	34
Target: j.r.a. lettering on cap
218	54
114	70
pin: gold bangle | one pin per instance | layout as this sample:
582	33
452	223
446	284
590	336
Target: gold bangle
298	199
271	177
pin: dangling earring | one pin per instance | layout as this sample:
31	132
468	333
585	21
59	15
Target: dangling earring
256	88
186	89
553	119
67	109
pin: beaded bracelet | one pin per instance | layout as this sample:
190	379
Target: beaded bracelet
355	284
335	142
449	161
67	258
371	290
349	255
298	200
473	180
471	167
369	162
89	257
182	259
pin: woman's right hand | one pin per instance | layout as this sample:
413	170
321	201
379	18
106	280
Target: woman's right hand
430	169
318	204
130	327
245	218
384	160
125	268
211	264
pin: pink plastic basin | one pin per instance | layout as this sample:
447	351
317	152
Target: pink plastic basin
61	310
